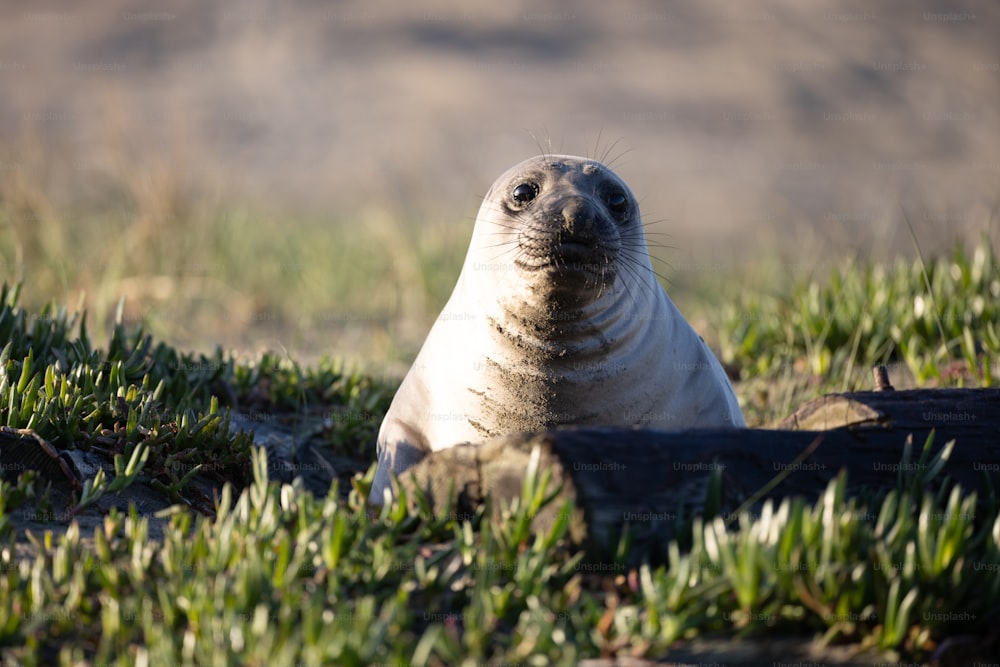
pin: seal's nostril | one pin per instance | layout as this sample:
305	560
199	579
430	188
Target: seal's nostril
578	218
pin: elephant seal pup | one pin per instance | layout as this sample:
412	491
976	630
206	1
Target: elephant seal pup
557	319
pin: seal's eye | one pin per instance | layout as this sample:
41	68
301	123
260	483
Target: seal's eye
616	201
524	193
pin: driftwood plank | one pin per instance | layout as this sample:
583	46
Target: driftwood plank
646	478
967	412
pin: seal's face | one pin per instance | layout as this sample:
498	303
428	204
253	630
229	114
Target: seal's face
564	221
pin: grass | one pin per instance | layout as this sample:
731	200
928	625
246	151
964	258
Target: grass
193	269
281	577
933	324
270	574
136	394
899	314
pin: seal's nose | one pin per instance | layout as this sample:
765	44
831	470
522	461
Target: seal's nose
578	218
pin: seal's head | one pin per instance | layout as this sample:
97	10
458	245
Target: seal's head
561	228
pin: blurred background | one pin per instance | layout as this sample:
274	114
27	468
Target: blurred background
303	176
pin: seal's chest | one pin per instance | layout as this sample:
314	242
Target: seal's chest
539	396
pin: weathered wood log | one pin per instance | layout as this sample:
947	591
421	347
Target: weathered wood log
647	479
971	413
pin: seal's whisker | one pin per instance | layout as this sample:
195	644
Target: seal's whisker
510	242
506	247
597	143
607	152
636	241
499	240
657	243
507	228
662	277
636	270
662	261
504	256
628	268
654	243
637	262
545	153
659	246
604	274
495	243
648	246
645	233
641	269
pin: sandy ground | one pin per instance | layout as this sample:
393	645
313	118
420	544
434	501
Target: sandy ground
813	124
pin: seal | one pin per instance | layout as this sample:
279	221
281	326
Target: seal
557	319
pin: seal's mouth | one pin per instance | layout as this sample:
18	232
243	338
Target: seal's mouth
570	262
580	258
